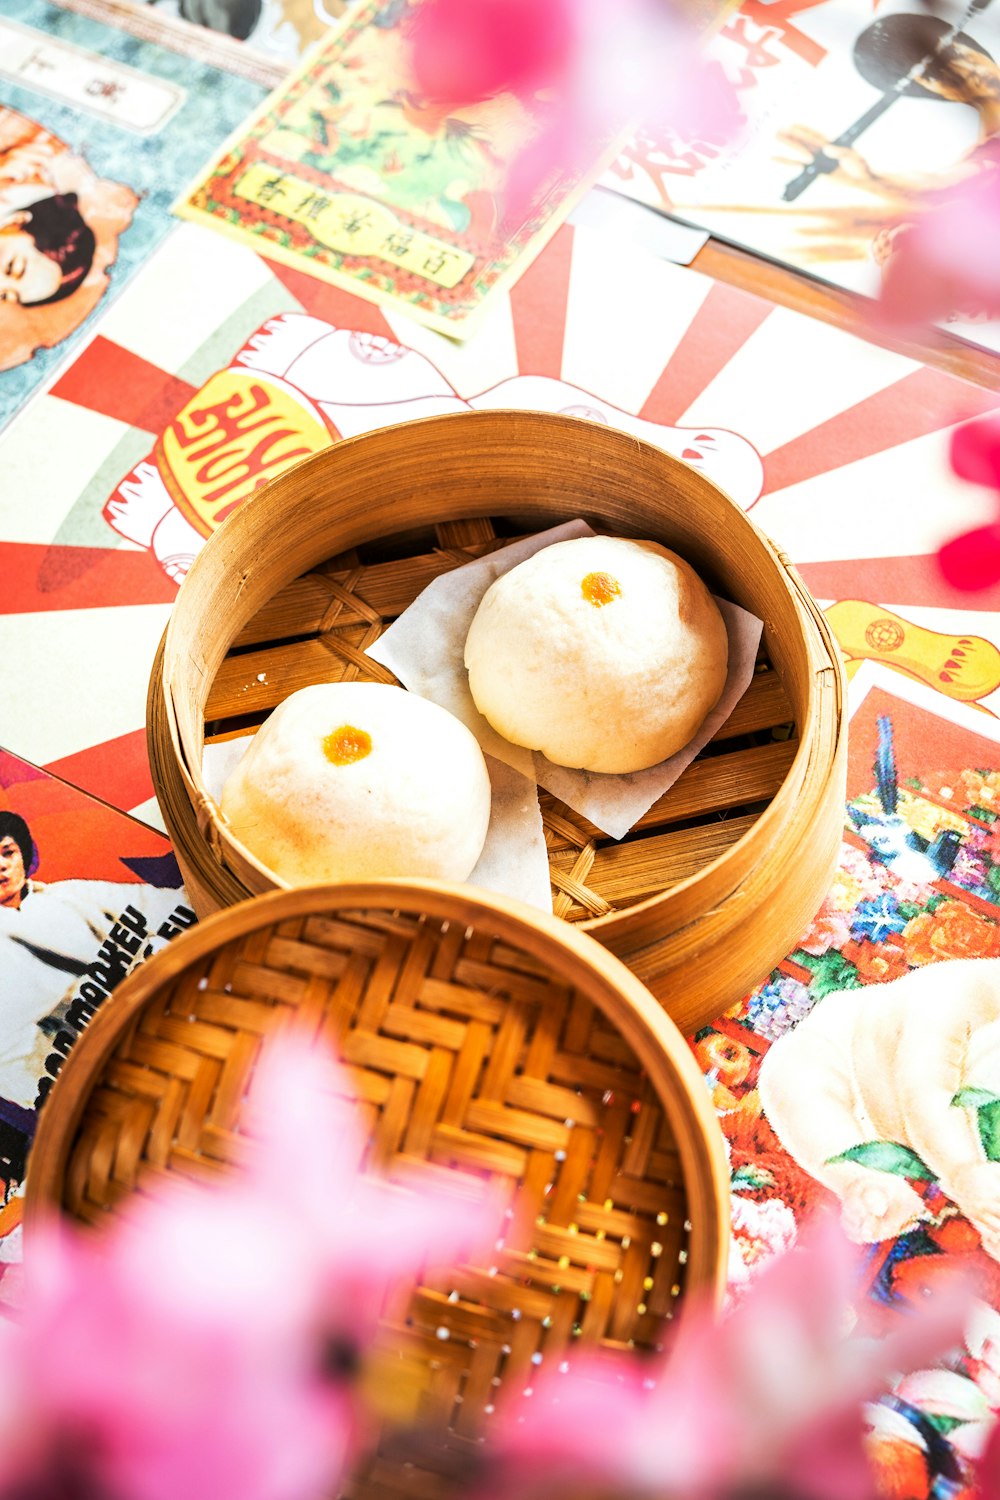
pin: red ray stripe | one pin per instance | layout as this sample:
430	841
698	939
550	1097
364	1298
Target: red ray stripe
38	577
538	304
921	402
109	379
720	327
891	581
332	303
117	771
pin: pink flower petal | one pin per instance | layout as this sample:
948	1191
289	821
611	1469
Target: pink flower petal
947	261
465	52
975	451
582	69
188	1343
972	561
768	1401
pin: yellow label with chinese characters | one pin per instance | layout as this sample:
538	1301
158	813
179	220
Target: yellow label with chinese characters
351	224
239	431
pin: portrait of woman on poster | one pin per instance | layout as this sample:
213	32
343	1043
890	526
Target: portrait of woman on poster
59	232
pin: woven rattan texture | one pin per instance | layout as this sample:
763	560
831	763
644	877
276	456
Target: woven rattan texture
318	629
462	1053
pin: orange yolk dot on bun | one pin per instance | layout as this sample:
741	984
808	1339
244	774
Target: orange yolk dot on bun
346	745
600	588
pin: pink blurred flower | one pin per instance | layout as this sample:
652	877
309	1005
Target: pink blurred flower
204	1347
770	1401
975	451
142	1397
583	69
464	53
946	262
971	561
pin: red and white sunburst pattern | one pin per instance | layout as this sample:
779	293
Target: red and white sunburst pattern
839	447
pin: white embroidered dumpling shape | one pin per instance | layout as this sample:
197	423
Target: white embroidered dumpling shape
360	781
604	654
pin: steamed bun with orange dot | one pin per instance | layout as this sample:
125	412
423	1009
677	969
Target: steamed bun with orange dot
360	781
602	653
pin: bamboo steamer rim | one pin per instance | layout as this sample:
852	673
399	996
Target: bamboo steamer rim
820	725
573	956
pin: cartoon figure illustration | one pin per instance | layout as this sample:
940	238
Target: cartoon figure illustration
965	667
298	384
888	1082
59	230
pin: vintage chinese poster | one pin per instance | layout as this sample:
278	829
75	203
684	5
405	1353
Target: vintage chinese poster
85	895
98	130
853	111
348	174
123	468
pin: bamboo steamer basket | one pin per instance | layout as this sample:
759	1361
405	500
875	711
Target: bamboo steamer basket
721	876
475	1033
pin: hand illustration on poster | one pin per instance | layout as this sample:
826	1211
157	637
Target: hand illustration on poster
918	56
864	1073
916	1142
851	122
868	1131
59	231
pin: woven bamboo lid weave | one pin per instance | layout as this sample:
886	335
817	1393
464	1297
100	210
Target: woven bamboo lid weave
477	1034
309	571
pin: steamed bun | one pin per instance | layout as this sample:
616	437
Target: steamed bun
602	653
360	781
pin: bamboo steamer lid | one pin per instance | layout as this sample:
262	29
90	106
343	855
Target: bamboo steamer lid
722	875
475	1033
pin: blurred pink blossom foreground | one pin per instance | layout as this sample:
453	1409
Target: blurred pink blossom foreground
204	1349
946	263
584	69
769	1402
972	561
